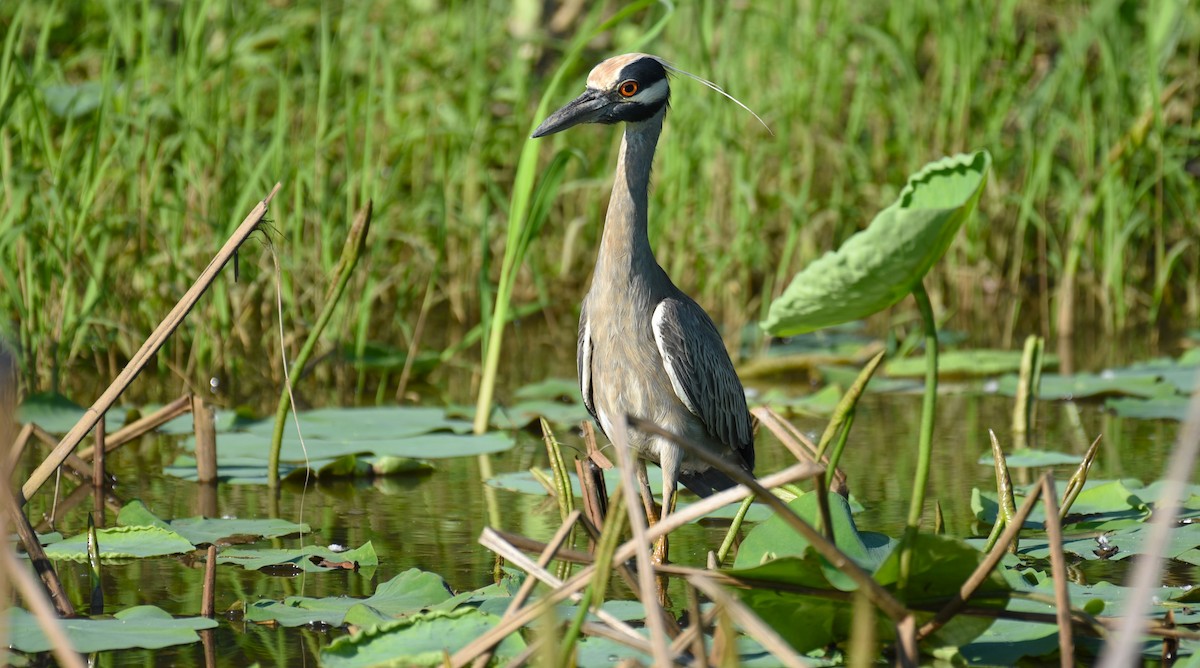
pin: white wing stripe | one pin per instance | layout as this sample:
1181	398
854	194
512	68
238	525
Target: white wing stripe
660	314
585	366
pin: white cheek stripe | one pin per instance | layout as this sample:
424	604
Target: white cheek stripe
655	93
669	362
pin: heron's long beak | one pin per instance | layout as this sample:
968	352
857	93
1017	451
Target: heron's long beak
586	108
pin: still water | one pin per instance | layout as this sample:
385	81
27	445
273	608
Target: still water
432	521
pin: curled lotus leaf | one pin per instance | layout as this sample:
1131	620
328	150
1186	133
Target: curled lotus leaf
877	267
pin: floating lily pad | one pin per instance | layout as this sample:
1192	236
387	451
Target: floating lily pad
880	265
1032	458
144	626
1168	407
550	389
818	404
963	363
1102	505
1086	385
58	414
202	530
774	538
310	558
408	592
246	446
125	542
417	640
941	565
386	423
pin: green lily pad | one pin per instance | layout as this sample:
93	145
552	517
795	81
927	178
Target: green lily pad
808	622
775	538
385	423
1101	505
251	446
1168	407
550	389
124	542
310	558
202	530
1032	458
417	640
818	404
880	265
1086	385
58	414
963	363
408	592
144	626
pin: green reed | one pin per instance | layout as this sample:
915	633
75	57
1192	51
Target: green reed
134	135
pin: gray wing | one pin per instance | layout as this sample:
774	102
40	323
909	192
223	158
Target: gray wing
701	373
583	361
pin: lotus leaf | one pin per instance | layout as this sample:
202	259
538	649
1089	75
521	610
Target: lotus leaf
203	530
879	266
963	363
141	626
417	640
310	558
57	414
408	592
123	542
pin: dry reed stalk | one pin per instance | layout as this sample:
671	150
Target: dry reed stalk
42	610
77	466
139	427
1122	648
984	568
906	643
149	348
204	425
208	600
801	447
18	444
751	623
647	589
41	563
836	558
625	551
544	559
494	542
98	474
1058	569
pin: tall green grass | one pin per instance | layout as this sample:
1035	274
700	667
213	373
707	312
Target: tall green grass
135	135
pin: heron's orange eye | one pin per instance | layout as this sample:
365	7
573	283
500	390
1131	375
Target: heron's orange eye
628	88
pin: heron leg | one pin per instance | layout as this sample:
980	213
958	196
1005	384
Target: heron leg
647	495
671	457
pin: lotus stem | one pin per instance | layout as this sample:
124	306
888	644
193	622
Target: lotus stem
925	442
356	241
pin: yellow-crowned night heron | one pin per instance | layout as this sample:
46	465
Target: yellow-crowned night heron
645	348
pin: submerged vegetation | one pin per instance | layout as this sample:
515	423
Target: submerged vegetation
133	134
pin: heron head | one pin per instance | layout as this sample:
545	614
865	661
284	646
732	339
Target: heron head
632	87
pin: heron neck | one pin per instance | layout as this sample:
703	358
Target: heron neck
625	245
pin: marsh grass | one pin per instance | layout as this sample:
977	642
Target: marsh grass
132	134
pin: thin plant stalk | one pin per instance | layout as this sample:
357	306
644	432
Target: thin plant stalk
734	527
925	441
356	242
1079	478
1123	646
843	414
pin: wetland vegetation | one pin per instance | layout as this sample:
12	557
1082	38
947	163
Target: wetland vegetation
134	137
